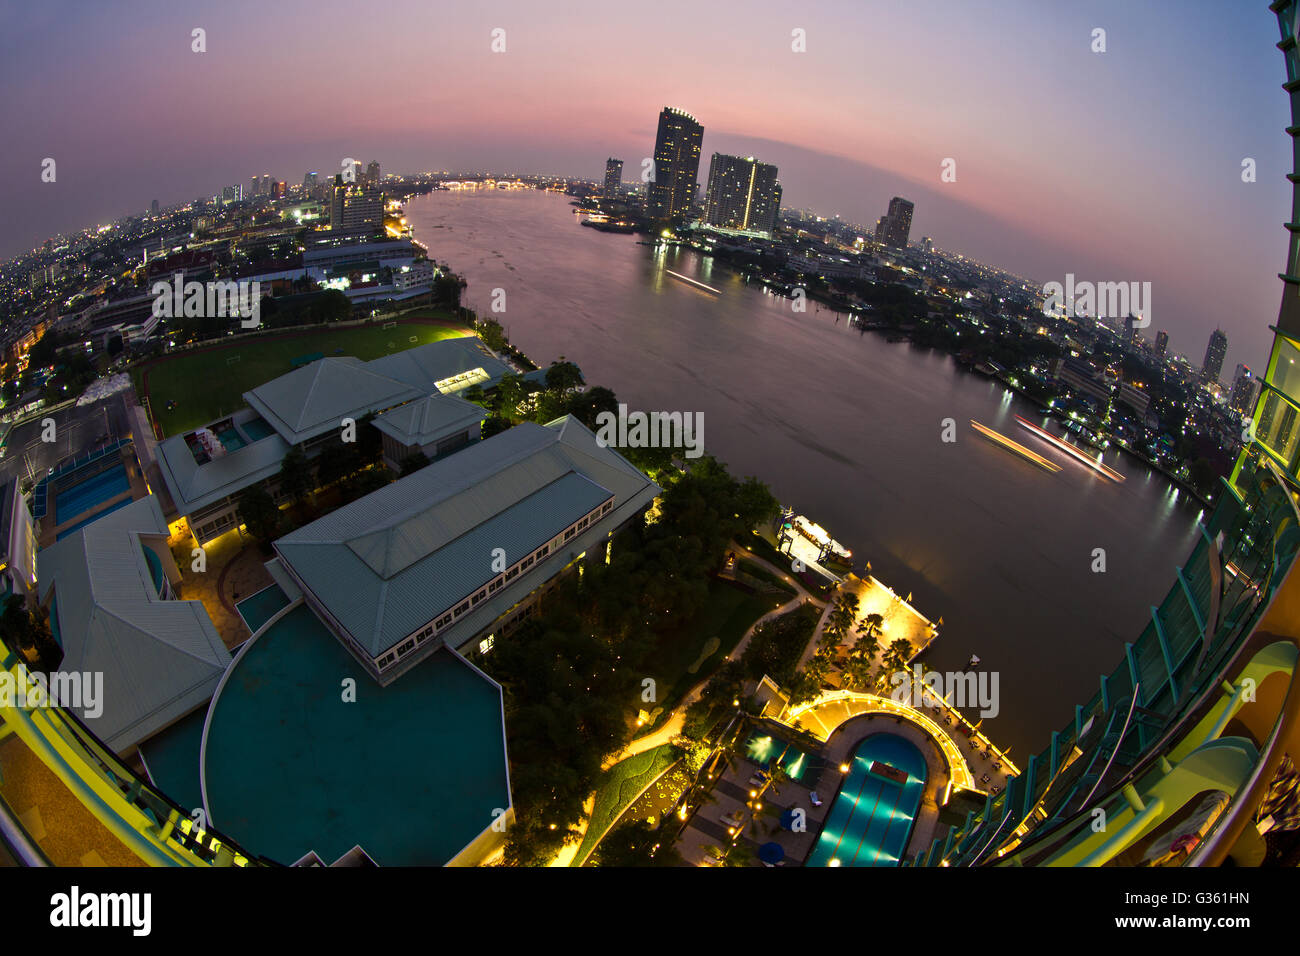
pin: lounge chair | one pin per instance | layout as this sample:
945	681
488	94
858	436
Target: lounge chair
814	799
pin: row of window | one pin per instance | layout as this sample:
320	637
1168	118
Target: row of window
492	587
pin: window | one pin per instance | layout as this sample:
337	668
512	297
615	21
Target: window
386	659
478	597
569	534
546	549
406	646
582	524
486	644
526	563
511	573
606	507
495	585
443	621
462	609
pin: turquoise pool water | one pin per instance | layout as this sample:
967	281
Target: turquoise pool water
262	606
172	756
81	497
871	819
763	748
93	518
257	429
413	771
231	439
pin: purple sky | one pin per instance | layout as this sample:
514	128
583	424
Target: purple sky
1124	165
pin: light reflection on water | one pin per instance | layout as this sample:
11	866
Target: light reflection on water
846	428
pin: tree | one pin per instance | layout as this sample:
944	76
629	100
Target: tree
28	632
259	514
412	463
296	478
492	334
563	376
586	406
634	844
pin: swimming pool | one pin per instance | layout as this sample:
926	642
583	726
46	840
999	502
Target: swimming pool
871	819
261	607
257	429
94	491
763	748
231	439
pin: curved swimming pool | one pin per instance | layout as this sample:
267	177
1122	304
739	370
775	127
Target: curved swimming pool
871	819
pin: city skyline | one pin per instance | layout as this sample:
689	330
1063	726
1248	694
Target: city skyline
1092	120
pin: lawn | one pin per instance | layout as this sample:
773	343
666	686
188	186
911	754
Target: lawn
686	656
618	787
210	383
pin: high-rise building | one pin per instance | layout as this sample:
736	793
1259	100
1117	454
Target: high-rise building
613	177
232	193
310	180
676	165
372	173
1162	343
254	187
356	208
153	207
893	227
742	194
1214	353
1244	389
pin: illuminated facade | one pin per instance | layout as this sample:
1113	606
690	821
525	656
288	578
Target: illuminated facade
742	194
677	165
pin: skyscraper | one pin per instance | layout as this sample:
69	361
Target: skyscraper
309	181
1162	343
1214	353
372	173
894	226
613	177
356	208
743	194
1245	388
677	164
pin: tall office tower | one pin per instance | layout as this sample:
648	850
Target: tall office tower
898	222
742	194
1162	343
232	193
254	187
882	229
927	244
310	180
266	185
1244	389
278	190
613	177
1214	353
372	173
153	207
677	164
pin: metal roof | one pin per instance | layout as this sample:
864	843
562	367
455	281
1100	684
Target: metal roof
160	658
314	399
424	365
386	564
426	420
193	486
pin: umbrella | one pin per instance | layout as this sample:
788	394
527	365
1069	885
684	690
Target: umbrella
771	853
787	819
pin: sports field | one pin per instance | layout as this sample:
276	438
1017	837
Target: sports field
208	383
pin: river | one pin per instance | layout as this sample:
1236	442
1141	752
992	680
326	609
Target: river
847	429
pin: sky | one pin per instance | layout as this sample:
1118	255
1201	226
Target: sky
1123	165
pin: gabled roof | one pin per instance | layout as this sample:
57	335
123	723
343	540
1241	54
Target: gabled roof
386	564
427	420
160	658
314	399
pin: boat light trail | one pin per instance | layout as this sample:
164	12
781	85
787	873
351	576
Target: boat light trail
698	285
1019	449
1069	449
